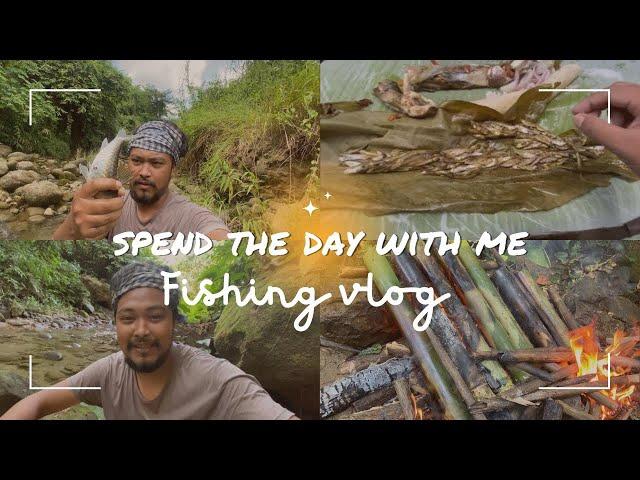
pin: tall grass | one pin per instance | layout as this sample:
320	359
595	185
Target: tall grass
252	137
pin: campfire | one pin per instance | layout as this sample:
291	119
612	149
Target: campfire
501	347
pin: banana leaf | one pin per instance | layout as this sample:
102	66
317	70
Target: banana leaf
599	201
489	192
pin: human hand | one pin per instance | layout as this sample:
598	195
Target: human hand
92	217
622	136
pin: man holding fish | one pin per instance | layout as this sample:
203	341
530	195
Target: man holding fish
102	208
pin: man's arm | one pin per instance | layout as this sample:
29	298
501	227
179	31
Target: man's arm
42	403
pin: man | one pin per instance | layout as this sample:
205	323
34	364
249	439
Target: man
149	206
152	377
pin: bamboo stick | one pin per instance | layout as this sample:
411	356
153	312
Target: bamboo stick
411	275
554	323
565	313
489	292
576	413
404	396
535	371
493	332
534	355
421	346
462	319
632	363
524	312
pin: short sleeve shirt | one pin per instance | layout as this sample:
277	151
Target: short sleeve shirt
200	387
178	215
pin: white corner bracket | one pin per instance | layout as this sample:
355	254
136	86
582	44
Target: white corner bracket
31	90
608	90
31	387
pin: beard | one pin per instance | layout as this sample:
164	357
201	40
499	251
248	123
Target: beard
145	197
146	366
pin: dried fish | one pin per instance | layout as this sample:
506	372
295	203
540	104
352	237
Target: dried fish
519	146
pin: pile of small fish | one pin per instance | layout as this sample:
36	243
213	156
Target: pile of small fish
489	145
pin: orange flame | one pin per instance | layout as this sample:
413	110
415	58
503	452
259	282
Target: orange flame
417	411
586	349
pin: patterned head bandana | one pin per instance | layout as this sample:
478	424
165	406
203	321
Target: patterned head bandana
160	136
139	275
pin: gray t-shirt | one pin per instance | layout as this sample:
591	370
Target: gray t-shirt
178	215
201	387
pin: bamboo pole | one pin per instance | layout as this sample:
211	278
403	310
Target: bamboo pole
576	413
421	346
404	396
565	313
523	311
551	318
494	333
411	275
462	319
534	355
491	295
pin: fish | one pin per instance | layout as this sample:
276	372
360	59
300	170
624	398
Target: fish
105	163
520	146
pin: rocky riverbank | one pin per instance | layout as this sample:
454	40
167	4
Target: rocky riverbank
35	193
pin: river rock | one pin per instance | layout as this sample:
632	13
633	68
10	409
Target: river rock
49	212
98	289
51	355
13	388
6	217
5	150
19	156
88	307
32	211
67	196
624	309
57	172
19	322
4	168
41	194
70	167
16	179
11	164
25	165
262	342
37	219
63	209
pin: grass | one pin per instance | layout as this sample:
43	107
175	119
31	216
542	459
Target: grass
256	137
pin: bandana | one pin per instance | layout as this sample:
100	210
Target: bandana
140	275
160	136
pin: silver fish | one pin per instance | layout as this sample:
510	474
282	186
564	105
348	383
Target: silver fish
105	163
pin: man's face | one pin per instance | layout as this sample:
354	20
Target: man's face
144	327
150	174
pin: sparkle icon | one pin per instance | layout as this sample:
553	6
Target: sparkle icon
327	195
310	208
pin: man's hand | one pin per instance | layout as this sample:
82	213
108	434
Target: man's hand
622	136
42	403
90	217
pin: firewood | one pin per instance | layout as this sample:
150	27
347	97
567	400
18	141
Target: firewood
404	397
576	413
535	355
396	350
552	410
374	399
340	394
391	411
618	361
564	312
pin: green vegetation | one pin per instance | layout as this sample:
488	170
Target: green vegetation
64	122
213	266
45	277
254	138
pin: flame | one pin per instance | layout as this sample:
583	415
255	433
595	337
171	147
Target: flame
591	361
585	348
417	412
